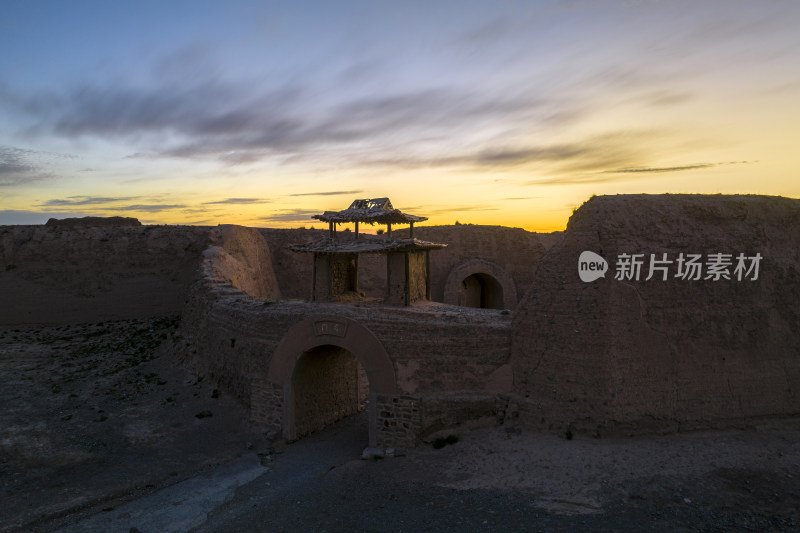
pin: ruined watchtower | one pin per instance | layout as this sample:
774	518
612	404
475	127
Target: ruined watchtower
335	267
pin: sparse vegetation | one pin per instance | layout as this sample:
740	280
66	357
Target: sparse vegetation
441	442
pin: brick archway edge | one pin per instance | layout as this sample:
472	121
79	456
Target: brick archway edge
337	331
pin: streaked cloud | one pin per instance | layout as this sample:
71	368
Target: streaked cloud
681	168
662	169
627	149
149	208
666	98
292	215
19	166
512	157
327	193
85	200
238	123
431	210
243	201
621	174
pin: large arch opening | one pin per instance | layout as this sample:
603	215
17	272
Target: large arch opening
481	290
328	384
302	358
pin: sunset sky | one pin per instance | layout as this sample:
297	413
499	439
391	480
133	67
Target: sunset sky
513	113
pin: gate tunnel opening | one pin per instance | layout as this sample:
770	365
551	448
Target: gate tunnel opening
329	384
481	290
328	336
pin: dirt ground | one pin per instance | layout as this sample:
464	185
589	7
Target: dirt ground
95	415
96	412
501	479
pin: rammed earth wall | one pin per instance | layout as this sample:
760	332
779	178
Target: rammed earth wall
69	273
658	355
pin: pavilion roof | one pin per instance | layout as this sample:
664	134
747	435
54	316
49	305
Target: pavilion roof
370	211
365	246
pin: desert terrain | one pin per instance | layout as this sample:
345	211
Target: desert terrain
100	416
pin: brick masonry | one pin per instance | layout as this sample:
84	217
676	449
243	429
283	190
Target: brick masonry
266	406
399	421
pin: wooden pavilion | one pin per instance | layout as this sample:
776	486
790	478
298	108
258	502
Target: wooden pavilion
335	267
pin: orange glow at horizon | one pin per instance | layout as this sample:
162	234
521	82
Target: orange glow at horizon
510	115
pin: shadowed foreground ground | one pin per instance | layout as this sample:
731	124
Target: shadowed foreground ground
98	431
95	412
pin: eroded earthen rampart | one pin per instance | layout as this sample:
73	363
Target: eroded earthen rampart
606	356
662	355
73	273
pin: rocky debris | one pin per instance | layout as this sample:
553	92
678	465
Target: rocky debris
379	453
372	453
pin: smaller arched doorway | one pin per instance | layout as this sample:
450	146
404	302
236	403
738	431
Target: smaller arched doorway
481	290
479	283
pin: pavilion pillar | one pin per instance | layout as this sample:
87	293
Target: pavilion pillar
354	273
427	274
322	271
407	277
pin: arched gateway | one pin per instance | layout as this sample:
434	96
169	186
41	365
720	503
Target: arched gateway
480	283
317	349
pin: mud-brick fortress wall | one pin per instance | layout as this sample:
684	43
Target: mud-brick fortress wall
663	355
432	352
84	273
604	356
